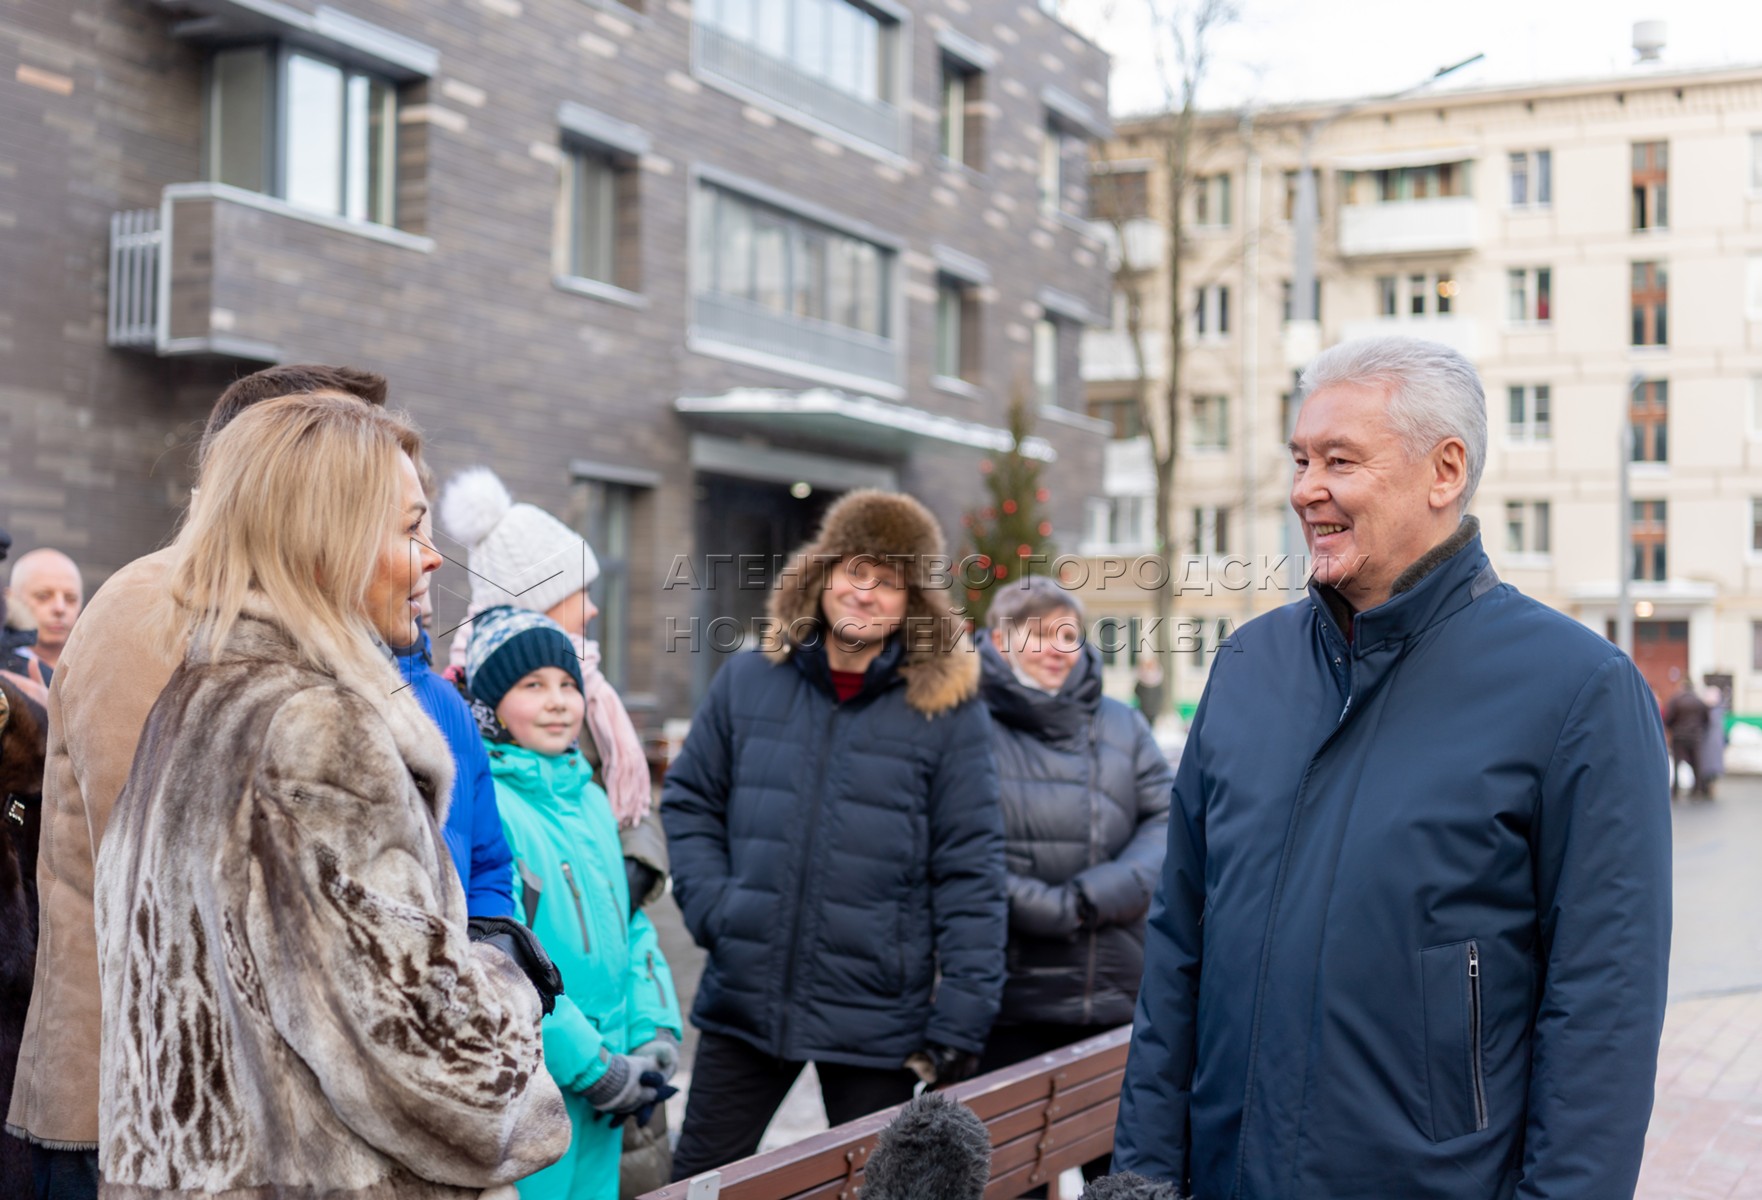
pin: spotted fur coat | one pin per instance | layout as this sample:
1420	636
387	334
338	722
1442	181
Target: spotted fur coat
291	1007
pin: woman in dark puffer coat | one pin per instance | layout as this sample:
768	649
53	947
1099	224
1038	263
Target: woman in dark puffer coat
1085	795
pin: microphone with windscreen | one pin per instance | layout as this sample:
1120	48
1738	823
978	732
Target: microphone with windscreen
936	1149
1127	1186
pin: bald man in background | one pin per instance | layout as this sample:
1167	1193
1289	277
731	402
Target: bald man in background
47	582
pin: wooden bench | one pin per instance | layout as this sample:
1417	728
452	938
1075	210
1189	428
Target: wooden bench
1045	1115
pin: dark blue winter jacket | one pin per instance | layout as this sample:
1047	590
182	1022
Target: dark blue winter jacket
1413	926
842	863
473	830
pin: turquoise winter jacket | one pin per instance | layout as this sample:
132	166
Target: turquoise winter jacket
569	886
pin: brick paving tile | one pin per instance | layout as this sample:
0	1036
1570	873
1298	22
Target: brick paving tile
1705	1142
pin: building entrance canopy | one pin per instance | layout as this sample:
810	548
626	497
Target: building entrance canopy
852	421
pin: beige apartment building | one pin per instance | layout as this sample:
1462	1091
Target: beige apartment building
1595	246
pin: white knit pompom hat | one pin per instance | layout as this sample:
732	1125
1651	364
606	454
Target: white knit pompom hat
519	554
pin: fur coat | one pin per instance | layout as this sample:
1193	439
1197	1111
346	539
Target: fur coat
291	1006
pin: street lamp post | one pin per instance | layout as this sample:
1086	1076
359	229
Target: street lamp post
1624	520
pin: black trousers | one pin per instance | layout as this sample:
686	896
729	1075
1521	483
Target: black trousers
1011	1044
736	1090
65	1174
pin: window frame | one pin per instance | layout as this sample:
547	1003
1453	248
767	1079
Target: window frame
1211	312
1649	303
1649	420
1529	414
1208	429
1048	381
1538	176
963	321
1533	290
1214	191
1649	211
1529	536
1649	539
378	204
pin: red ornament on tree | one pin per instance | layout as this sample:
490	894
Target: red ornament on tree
1002	571
1046	529
1024	550
984	466
1009	506
984	562
1043	495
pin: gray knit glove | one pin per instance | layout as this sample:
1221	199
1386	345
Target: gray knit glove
663	1050
621	1089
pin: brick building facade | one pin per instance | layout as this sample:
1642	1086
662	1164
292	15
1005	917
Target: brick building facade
680	273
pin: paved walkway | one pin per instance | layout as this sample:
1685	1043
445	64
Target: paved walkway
1706	1137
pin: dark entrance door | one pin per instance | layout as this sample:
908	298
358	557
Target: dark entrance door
746	531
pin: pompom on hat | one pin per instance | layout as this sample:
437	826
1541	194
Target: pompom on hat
520	554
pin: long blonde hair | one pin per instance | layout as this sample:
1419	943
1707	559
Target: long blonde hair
290	516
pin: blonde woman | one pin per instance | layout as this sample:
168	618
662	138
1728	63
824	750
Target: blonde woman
291	1000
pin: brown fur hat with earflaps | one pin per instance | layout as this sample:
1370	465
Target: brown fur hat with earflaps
940	668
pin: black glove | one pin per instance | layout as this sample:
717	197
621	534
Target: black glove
645	1112
642	878
520	944
940	1066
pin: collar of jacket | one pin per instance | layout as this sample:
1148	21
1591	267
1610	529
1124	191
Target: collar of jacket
811	660
1443	580
260	635
1060	720
550	780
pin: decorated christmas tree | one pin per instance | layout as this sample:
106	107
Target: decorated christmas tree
1009	536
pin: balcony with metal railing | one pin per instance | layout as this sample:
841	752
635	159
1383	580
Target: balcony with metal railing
219	271
734	327
729	60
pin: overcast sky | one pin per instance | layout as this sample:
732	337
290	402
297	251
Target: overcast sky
1284	50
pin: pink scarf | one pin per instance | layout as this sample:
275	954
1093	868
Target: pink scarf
624	769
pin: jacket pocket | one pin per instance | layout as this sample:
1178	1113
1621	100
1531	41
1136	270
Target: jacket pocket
1455	1078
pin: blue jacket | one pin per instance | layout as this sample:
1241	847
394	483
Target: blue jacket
842	863
1413	927
474	827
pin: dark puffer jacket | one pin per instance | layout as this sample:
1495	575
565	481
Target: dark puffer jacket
1085	794
836	859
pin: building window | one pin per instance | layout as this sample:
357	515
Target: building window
1211	201
1756	645
1530	412
334	149
1285	298
957	329
962	93
1211	530
1401	184
1122	522
1532	178
770	281
1211	423
1117	196
1755	526
1527	528
1422	294
832	60
1531	291
600	199
1651	185
1649	415
1290	209
1125	412
1063	166
1046	354
1211	310
1650	529
1651	302
607	527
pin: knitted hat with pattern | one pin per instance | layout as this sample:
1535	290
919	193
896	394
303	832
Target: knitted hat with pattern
520	554
508	644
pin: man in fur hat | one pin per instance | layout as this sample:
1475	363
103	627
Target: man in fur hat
837	845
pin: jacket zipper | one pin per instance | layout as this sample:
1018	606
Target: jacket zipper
801	887
1474	1036
660	992
580	913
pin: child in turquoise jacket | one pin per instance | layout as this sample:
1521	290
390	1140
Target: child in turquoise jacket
613	1040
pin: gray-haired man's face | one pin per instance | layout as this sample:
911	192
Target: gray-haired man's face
1369	508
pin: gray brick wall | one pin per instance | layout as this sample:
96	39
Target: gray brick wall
100	110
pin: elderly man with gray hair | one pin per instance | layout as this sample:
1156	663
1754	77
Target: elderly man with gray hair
1412	930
